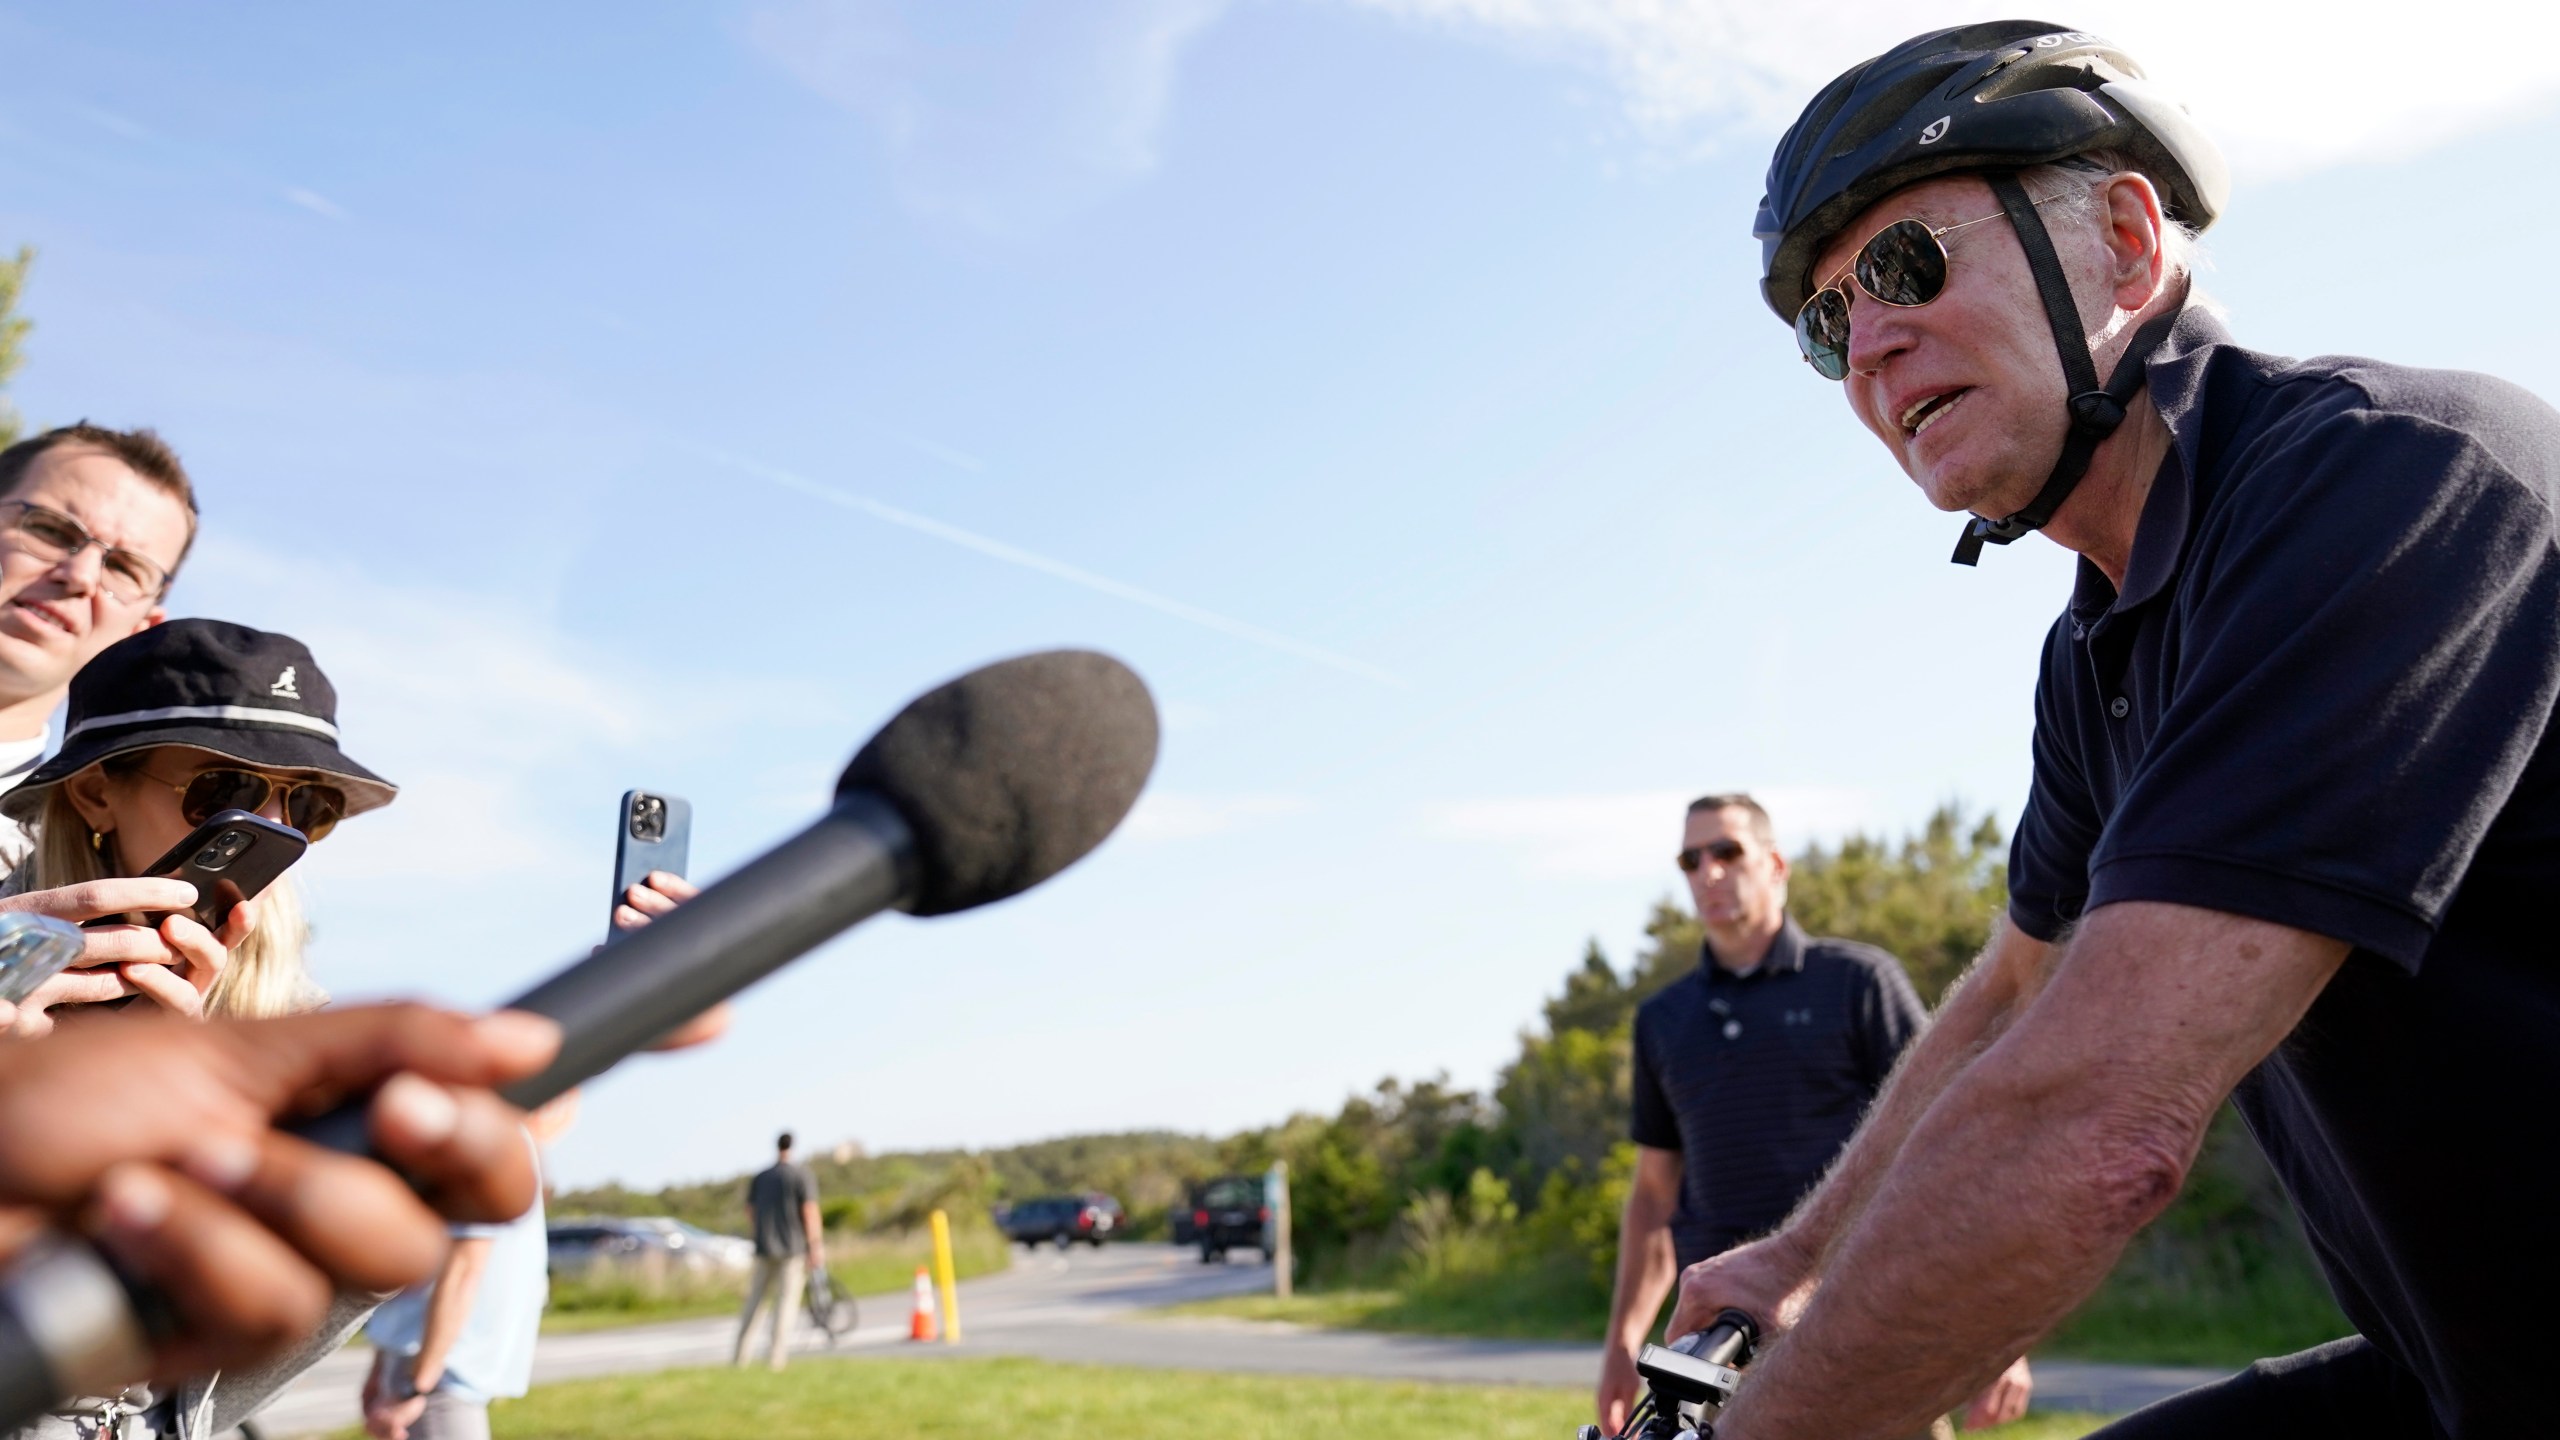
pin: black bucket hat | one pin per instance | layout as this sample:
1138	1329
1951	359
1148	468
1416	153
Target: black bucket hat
243	694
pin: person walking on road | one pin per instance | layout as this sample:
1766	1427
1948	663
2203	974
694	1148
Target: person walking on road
2290	837
782	1201
1750	1074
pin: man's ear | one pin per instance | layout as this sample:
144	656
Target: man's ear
1777	864
150	617
2135	226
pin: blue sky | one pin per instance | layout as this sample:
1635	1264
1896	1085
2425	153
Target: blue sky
659	395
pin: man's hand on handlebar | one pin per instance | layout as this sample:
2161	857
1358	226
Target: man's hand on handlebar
156	1138
1772	1277
1769	1278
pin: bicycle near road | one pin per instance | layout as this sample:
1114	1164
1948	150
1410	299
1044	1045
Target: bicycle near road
830	1309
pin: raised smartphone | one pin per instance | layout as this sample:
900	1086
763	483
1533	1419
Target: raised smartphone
228	858
653	832
34	949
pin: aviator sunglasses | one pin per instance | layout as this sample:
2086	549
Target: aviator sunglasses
313	807
1723	852
1903	265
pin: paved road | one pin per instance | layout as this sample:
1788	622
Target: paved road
1091	1307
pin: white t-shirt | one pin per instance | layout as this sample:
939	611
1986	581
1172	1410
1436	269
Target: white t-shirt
17	759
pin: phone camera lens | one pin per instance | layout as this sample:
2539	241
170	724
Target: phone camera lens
648	818
226	847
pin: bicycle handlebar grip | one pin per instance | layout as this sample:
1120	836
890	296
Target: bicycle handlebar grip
1727	1341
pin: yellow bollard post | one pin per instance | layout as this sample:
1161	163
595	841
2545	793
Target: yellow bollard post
944	1277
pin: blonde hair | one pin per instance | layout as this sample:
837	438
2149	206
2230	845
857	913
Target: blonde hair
265	976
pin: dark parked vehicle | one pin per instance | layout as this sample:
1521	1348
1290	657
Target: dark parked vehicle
1063	1220
1228	1214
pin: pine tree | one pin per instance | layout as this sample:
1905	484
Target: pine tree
13	333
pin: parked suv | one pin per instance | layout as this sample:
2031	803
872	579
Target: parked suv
1063	1219
1228	1213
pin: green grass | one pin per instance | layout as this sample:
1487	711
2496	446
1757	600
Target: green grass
2145	1319
1533	1302
2137	1319
861	1264
970	1399
1439	1310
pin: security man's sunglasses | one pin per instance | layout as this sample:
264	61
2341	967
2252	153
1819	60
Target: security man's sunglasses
1903	265
1723	852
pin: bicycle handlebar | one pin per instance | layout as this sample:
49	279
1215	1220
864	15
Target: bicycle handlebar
1688	1382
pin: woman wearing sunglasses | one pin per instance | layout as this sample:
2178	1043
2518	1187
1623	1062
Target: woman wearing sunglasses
165	730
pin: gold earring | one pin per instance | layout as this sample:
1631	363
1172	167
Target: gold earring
98	841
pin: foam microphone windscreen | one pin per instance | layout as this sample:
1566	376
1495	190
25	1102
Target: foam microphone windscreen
1012	772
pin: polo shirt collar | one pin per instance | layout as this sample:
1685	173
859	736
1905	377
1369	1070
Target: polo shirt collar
1785	957
2175	376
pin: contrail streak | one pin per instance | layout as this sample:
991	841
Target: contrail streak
1059	569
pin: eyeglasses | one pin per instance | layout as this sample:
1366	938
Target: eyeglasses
1723	852
1903	265
53	537
313	807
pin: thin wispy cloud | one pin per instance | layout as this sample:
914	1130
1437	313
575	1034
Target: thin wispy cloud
316	203
951	455
115	124
1011	554
459	697
1005	130
2287	89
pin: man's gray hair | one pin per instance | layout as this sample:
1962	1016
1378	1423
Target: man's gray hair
2074	182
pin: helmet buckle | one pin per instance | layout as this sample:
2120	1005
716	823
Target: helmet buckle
2097	413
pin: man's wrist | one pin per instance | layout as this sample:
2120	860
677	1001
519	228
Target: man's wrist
1795	1254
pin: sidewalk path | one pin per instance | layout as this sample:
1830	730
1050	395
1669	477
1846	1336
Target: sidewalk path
1089	1307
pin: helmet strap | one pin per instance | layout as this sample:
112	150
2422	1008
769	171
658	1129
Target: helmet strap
2096	410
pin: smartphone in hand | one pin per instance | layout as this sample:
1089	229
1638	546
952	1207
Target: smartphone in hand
34	949
229	858
654	833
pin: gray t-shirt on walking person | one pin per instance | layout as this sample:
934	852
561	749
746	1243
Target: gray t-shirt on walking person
775	1197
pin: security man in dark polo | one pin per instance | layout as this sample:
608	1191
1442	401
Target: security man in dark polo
1749	1076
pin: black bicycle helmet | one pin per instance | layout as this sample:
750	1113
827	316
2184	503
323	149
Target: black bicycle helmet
1994	98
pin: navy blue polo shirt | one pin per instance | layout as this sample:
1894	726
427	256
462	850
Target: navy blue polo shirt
2323	699
1759	1079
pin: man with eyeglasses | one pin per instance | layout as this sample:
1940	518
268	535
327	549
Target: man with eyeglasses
1749	1075
93	523
2295	816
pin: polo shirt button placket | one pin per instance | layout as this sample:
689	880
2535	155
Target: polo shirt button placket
2119	707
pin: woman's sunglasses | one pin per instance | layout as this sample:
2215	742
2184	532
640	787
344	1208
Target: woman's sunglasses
1723	852
1903	265
313	807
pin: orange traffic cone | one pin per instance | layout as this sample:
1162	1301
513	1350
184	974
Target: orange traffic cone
921	1325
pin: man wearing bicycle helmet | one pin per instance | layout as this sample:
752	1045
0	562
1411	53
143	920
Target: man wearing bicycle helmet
2296	800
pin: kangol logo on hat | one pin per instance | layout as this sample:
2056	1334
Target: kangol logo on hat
283	688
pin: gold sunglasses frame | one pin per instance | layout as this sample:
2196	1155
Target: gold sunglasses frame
1937	236
277	787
